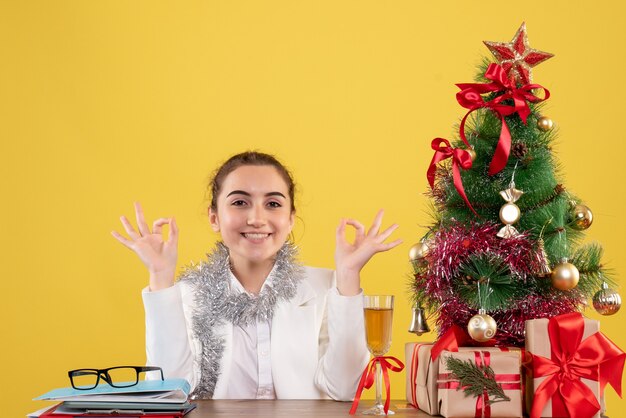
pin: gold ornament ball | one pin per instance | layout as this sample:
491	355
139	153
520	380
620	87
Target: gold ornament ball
565	276
482	327
509	213
418	251
544	124
607	301
582	217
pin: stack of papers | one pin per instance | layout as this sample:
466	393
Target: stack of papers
148	398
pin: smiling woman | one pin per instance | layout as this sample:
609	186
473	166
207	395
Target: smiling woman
251	321
254	217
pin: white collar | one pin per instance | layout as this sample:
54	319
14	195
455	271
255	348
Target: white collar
236	286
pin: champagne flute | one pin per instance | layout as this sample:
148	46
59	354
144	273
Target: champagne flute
378	319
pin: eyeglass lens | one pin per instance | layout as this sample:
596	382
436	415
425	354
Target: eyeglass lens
84	379
123	376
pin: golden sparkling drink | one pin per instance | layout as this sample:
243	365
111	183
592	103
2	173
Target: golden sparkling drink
378	330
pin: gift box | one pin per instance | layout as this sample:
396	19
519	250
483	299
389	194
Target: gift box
421	377
423	368
571	364
454	402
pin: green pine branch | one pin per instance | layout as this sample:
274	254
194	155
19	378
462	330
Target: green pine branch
476	380
497	286
587	259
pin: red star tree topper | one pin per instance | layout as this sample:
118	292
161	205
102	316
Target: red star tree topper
517	57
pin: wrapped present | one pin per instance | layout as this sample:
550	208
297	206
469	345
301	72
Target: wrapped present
423	367
571	364
480	383
421	377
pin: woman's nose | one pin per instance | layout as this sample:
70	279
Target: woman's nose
256	217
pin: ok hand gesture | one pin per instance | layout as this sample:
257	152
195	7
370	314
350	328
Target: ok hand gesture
350	258
158	255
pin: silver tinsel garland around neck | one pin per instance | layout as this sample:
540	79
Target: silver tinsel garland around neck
216	304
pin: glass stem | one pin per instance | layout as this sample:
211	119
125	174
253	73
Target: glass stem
379	386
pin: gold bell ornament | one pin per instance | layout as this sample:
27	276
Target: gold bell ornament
419	325
607	301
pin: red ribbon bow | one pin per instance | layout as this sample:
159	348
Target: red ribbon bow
457	337
369	374
470	97
460	158
596	358
454	338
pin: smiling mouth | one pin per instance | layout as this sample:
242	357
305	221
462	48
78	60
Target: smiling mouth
255	236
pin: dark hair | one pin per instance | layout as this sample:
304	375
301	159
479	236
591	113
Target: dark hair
244	159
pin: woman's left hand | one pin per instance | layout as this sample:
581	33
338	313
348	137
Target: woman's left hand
351	257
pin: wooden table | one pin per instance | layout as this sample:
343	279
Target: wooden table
292	408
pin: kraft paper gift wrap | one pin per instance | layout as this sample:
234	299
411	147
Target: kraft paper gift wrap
454	403
538	343
422	372
421	377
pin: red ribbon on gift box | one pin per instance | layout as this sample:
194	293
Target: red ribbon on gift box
483	406
413	373
454	338
368	377
596	358
470	97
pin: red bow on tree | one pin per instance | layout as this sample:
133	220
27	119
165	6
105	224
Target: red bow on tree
470	97
596	358
460	158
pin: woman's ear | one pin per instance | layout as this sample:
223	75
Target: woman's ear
214	220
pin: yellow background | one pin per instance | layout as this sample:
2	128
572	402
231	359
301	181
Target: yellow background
107	102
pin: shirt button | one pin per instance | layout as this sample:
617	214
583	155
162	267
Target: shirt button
264	353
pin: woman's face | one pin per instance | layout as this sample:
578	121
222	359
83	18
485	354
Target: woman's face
253	214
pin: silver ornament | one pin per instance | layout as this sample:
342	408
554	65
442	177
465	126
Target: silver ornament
607	301
419	325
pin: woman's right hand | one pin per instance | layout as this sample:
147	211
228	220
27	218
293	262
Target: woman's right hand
158	255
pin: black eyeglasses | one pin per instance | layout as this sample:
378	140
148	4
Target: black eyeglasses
118	377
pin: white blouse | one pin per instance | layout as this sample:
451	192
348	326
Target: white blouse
317	341
251	366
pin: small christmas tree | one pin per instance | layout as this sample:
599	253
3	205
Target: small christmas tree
504	246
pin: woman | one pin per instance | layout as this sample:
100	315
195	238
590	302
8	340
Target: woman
251	322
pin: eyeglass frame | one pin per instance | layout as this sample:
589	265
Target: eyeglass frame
104	374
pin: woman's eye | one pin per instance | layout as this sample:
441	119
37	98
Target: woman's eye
274	204
238	202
